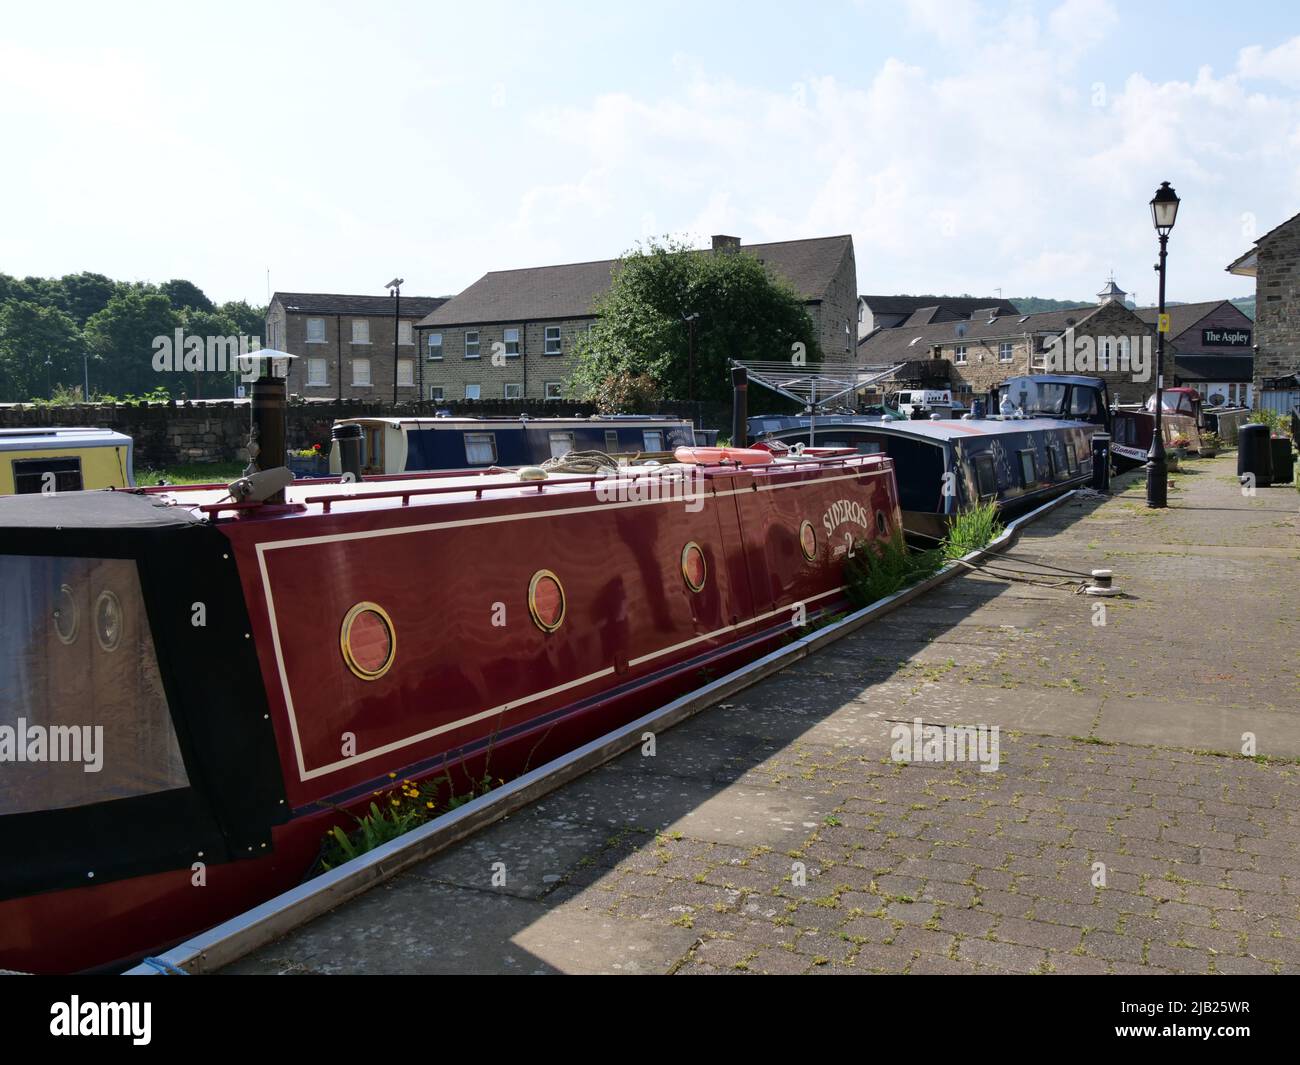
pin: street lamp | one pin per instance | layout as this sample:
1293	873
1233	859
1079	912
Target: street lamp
1164	209
395	287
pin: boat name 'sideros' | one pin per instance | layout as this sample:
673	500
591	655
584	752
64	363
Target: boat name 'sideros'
844	510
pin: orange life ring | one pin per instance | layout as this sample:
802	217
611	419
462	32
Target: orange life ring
711	456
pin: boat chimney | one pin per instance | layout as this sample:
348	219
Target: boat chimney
739	406
266	445
347	438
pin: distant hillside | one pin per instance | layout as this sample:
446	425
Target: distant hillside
1246	305
1035	304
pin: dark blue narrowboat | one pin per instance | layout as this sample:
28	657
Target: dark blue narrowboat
414	445
946	466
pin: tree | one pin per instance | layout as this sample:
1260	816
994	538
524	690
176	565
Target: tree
185	295
123	334
643	329
85	294
40	347
249	321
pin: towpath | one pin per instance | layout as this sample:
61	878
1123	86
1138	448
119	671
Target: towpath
774	834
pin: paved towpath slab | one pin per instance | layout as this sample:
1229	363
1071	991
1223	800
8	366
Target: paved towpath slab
776	834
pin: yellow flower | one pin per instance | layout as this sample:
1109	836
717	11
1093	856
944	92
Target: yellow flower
392	776
429	805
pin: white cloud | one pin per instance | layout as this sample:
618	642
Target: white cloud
1280	64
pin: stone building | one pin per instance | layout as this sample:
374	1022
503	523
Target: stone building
893	312
345	343
535	315
1211	345
1106	340
1274	263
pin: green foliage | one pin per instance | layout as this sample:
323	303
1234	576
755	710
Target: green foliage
971	530
40	347
642	334
193	473
1278	424
122	335
875	571
185	295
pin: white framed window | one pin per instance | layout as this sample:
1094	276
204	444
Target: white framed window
315	330
561	444
480	448
360	331
317	373
434	343
554	389
473	391
405	373
512	341
652	439
435	393
513	390
361	371
959	354
403	332
471	344
552	340
1004	351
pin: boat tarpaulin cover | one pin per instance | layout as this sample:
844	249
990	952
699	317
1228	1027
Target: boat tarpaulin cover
106	509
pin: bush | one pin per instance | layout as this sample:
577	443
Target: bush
877	570
971	530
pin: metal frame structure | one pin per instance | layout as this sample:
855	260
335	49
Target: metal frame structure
817	385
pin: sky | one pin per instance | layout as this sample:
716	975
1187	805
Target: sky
967	147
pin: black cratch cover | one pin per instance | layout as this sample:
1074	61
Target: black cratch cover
133	722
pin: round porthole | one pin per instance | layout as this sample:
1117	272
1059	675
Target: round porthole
108	620
546	600
882	523
367	641
808	541
67	617
695	571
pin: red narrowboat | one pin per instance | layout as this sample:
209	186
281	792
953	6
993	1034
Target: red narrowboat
197	690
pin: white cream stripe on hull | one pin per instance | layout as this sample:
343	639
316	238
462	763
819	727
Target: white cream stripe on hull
305	774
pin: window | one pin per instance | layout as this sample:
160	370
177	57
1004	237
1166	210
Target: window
561	444
435	346
1004	351
405	373
480	448
652	439
1083	402
315	330
317	372
473	391
32	476
471	343
986	477
1071	456
959	354
1054	462
1104	363
361	372
512	341
552	340
513	391
360	331
554	389
1028	470
404	332
611	441
435	393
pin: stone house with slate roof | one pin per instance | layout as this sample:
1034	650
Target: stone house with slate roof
891	312
537	314
1211	345
345	343
1274	263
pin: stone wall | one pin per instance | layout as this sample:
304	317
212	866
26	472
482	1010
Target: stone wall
1277	304
171	434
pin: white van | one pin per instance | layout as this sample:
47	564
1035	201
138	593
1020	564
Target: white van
922	402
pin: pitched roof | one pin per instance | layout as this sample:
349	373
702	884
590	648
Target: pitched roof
883	346
570	290
1182	316
962	305
1247	261
336	303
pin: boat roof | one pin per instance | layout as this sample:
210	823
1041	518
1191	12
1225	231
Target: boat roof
44	437
946	429
448	422
1057	379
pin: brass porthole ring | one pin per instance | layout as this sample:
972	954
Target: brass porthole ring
808	541
67	616
695	569
546	601
368	640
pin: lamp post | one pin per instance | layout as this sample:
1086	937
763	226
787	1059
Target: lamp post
1164	209
395	287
